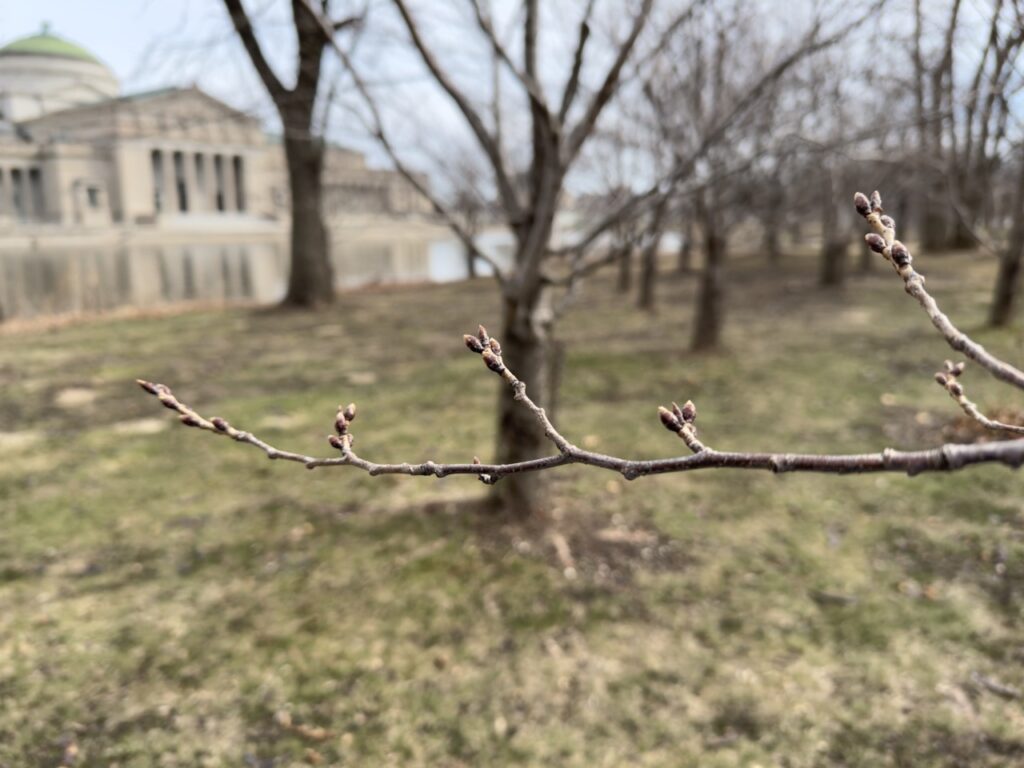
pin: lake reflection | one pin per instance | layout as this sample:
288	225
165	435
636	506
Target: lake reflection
44	281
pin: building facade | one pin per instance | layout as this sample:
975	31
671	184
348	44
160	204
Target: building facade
76	154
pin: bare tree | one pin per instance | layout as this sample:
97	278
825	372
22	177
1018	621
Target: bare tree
310	280
529	195
681	420
1007	286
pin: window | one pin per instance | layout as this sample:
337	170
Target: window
239	169
218	180
200	163
35	187
92	196
157	159
180	185
18	193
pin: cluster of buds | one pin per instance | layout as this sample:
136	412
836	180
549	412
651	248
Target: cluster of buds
344	439
168	400
947	378
678	418
882	241
489	349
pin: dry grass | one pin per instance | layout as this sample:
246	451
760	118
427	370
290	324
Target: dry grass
170	599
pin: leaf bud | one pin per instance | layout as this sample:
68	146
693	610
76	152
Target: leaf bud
668	419
689	412
941	378
876	202
341	424
875	242
349	412
219	424
900	255
481	333
862	204
888	222
189	420
473	343
492	361
336	442
495	346
956	389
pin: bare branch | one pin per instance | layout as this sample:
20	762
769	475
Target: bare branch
883	240
486	140
243	25
600	100
948	380
378	131
526	78
679	420
573	84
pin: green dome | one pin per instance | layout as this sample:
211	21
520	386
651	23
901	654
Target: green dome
45	44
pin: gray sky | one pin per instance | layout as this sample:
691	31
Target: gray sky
148	43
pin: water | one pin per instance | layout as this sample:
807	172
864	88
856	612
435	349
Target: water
60	279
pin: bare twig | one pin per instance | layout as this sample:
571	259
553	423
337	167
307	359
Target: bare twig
948	380
680	420
883	240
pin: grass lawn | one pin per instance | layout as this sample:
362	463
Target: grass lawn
172	599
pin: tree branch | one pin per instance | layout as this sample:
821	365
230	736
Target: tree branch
487	142
883	240
679	420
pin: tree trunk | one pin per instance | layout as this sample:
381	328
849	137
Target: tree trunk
685	263
311	279
833	261
707	325
649	262
770	241
470	264
1004	296
833	244
625	259
530	351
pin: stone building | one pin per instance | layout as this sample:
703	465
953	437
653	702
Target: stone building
75	153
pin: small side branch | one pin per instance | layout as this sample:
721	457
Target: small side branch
948	379
883	241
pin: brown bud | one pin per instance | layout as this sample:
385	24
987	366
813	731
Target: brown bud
888	222
875	242
956	389
148	386
862	204
876	202
473	343
492	361
941	378
476	459
959	368
948	365
349	412
481	333
341	424
168	401
669	419
336	442
689	412
219	423
495	346
189	420
900	255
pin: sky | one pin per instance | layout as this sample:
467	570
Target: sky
147	43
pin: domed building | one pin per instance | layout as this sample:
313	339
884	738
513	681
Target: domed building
45	73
